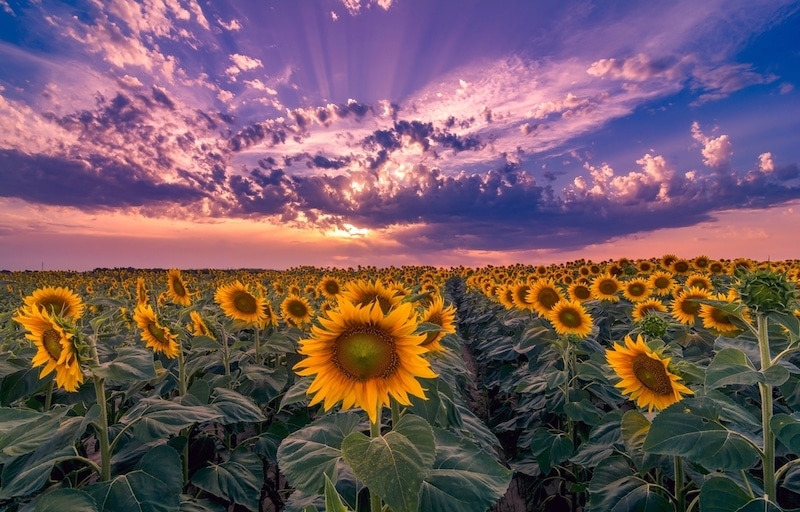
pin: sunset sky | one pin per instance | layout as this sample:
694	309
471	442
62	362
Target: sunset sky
278	133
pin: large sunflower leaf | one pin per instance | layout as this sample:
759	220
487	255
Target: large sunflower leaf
689	429
235	407
333	502
611	483
307	455
130	364
237	480
635	427
63	499
393	465
551	448
26	436
720	494
731	366
464	478
158	418
787	429
154	487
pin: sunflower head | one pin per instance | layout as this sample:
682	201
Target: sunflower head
155	336
59	301
767	291
238	303
653	325
176	288
436	313
198	326
296	310
569	317
644	375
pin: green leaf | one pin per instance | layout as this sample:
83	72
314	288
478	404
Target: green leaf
584	411
11	418
202	343
296	393
158	418
787	429
154	487
550	448
644	498
776	375
535	334
27	436
27	474
393	465
192	504
333	502
65	499
760	505
308	454
237	480
731	366
722	495
635	427
235	407
130	364
689	429
612	481
463	478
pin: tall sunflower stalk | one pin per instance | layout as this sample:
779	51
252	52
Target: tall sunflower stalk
101	426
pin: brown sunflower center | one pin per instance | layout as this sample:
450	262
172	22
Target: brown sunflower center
548	297
157	332
55	305
681	266
570	318
607	287
51	341
331	287
651	373
365	353
582	292
178	288
521	294
297	309
690	305
435	318
662	283
245	303
636	289
721	317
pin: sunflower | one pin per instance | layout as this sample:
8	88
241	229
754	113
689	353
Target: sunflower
198	326
329	287
270	317
605	287
685	307
142	295
701	262
699	281
569	317
636	290
663	283
645	266
579	292
360	355
60	301
296	310
717	319
667	260
645	376
680	266
238	303
544	295
717	267
55	347
177	291
444	317
505	295
520	296
155	335
647	307
363	292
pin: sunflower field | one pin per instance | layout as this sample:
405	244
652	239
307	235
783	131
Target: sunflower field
663	384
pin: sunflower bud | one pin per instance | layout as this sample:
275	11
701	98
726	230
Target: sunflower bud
766	291
653	326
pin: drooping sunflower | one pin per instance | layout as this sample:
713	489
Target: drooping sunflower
296	310
55	346
636	290
718	319
198	326
569	317
154	335
663	283
59	301
363	292
329	287
606	287
238	303
444	317
176	288
686	307
544	295
270	316
647	307
645	377
359	356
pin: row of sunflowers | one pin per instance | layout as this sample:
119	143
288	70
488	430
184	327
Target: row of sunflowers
652	384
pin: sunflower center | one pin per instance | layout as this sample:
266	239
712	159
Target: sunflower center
607	287
51	341
582	292
548	298
690	305
661	283
365	353
521	294
245	303
59	307
157	331
651	373
297	309
681	266
178	287
570	318
332	287
721	317
435	318
636	289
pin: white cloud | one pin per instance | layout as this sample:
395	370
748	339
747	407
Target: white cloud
765	163
716	151
233	26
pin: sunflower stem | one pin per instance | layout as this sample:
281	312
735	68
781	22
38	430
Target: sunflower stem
226	358
375	431
48	396
102	427
680	497
257	343
186	431
768	461
395	412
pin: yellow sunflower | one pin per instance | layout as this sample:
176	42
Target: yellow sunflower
685	307
569	317
360	355
605	287
647	307
636	290
579	292
296	310
154	335
506	296
663	283
645	377
177	291
520	296
55	347
238	303
444	317
698	281
270	317
717	319
364	292
142	295
198	326
680	267
329	287
544	295
717	267
60	301
701	263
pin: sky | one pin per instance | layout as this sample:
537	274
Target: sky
337	133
